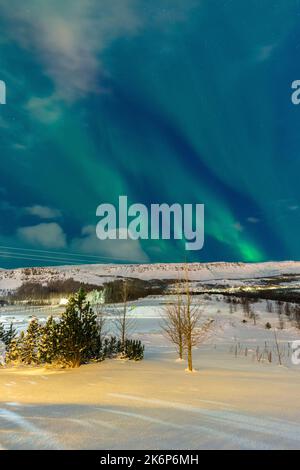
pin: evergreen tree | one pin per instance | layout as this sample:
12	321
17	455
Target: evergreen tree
112	346
2	332
134	350
6	336
9	335
76	339
48	347
106	348
78	331
30	343
15	349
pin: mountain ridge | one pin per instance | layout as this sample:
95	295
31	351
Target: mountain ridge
97	274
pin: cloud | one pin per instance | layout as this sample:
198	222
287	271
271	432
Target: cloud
46	235
238	227
265	52
118	250
47	110
7	206
69	37
252	220
3	123
18	146
43	212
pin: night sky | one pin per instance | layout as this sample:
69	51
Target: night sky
162	100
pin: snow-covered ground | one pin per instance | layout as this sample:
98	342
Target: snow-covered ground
97	274
230	401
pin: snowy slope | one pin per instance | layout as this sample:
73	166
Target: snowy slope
99	273
229	402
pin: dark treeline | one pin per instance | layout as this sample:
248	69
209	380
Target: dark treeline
289	310
136	288
37	293
283	295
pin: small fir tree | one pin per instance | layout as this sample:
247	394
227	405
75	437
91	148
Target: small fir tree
15	349
30	342
6	336
78	331
48	347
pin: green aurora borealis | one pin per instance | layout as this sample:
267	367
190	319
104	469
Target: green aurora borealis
163	101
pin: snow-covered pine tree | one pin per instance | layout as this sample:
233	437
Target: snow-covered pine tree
15	349
30	343
9	335
91	331
134	350
6	336
78	331
112	346
2	332
48	345
105	350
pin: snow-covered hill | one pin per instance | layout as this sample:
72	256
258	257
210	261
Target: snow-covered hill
97	274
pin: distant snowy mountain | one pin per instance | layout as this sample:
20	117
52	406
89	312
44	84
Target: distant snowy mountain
97	274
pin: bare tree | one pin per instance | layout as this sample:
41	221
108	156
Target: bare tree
246	307
253	316
296	315
181	322
173	322
277	348
124	324
279	307
101	321
287	309
194	333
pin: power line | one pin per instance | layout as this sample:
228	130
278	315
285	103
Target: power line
53	260
45	257
73	255
48	251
